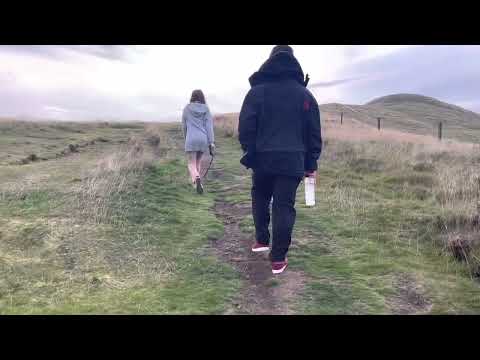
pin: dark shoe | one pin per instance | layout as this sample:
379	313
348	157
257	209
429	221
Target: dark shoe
279	266
260	248
198	182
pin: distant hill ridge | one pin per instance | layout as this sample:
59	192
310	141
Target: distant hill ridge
413	98
412	113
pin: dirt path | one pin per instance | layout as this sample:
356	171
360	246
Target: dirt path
263	293
410	298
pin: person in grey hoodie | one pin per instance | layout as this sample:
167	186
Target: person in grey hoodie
198	134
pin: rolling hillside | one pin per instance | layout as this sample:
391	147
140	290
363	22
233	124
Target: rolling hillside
411	113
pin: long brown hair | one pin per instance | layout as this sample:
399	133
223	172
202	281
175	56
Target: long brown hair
197	96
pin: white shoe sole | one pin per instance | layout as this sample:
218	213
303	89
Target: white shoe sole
262	249
276	272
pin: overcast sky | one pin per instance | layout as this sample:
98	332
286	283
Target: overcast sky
149	83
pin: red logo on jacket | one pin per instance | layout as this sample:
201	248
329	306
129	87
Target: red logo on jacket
306	105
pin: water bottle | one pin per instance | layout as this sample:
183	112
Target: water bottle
310	191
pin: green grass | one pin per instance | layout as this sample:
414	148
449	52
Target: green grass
363	234
373	223
385	238
20	140
151	257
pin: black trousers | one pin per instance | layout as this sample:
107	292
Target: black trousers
283	189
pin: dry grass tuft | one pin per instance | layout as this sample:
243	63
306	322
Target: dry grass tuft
19	190
112	176
160	140
463	246
459	246
227	123
446	171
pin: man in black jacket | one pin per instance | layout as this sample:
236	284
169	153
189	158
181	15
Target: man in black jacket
280	134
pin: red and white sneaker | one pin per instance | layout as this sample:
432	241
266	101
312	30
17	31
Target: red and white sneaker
279	267
260	248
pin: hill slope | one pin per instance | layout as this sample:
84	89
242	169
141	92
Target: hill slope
412	113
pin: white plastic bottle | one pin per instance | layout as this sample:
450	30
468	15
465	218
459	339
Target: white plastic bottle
310	191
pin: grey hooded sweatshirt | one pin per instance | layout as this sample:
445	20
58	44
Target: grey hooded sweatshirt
197	127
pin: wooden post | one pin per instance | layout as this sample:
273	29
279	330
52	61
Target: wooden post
440	130
378	123
341	118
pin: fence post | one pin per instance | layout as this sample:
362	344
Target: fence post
341	118
378	123
440	130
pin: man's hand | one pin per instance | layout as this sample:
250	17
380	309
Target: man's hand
212	149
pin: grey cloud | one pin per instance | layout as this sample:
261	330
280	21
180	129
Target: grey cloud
6	78
62	52
84	105
449	73
334	82
353	52
15	102
47	51
112	52
221	104
88	105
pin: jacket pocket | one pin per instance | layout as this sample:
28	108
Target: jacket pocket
248	160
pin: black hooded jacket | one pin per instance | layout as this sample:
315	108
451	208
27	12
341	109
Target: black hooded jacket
279	125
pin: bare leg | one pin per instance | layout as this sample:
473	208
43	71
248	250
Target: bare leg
192	166
199	162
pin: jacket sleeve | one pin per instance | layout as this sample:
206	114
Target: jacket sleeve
247	122
210	132
313	136
184	125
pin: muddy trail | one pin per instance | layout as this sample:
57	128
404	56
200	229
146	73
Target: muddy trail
262	293
266	294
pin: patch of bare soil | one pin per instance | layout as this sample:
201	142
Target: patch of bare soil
263	292
410	298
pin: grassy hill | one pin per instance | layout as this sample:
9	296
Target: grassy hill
411	113
115	227
101	218
112	227
23	142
